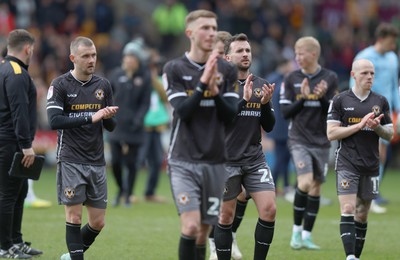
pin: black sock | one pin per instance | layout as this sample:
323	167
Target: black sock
187	248
88	236
361	232
311	212
211	235
239	213
263	238
223	241
347	233
200	252
299	206
74	241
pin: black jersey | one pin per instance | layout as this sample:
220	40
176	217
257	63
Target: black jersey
82	144
201	137
17	103
243	136
308	126
359	152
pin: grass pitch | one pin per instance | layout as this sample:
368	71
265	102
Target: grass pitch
149	231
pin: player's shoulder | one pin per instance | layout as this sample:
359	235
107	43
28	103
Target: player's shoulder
61	80
329	72
177	62
258	80
101	80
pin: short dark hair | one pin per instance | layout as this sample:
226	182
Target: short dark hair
78	41
18	38
386	29
237	37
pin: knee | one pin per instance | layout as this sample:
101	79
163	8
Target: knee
268	213
97	224
226	217
348	208
190	229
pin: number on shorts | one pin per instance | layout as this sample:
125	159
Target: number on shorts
214	208
266	177
375	185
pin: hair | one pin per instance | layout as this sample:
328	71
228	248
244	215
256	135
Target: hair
237	37
310	43
223	36
78	41
194	15
385	30
18	38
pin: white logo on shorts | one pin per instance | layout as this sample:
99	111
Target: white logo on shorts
345	184
69	193
183	198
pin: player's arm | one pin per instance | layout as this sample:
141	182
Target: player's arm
291	110
385	131
226	107
267	119
184	106
335	131
57	119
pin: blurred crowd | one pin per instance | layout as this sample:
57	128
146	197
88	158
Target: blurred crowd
342	27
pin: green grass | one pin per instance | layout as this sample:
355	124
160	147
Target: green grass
151	231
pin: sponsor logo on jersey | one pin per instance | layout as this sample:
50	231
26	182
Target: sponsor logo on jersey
69	192
72	95
50	92
99	94
187	78
349	108
85	106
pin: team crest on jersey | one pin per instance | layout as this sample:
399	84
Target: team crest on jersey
376	109
50	92
345	184
220	78
69	192
99	94
257	92
183	198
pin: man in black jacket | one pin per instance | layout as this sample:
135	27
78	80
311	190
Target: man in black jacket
131	84
17	130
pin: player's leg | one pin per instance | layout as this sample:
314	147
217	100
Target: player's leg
264	233
201	241
190	226
95	224
73	217
303	163
130	160
310	214
223	231
116	163
241	204
368	191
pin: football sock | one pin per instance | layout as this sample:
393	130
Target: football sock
187	247
311	212
88	236
223	241
361	232
239	213
263	238
299	206
74	241
347	233
200	252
